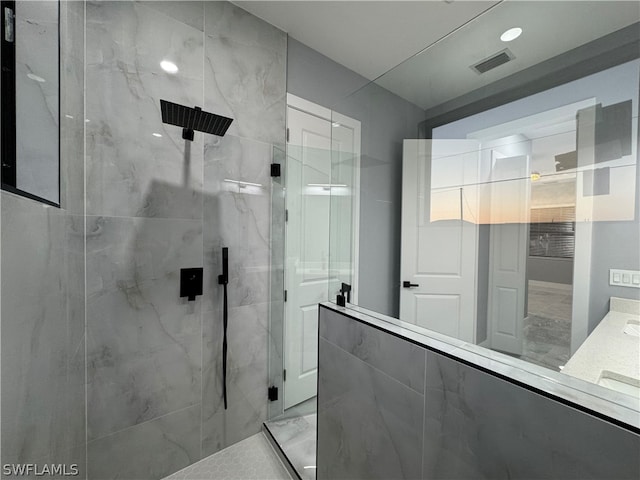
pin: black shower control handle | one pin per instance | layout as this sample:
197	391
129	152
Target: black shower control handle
224	278
406	284
191	282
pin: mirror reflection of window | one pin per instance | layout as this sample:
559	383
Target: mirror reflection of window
557	175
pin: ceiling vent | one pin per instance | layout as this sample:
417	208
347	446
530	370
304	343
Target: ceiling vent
493	61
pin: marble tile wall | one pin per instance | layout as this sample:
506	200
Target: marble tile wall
42	291
374	421
37	106
156	204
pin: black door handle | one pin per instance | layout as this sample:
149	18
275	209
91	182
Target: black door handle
406	284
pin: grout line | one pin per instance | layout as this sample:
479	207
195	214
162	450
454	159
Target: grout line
143	423
84	213
375	368
135	217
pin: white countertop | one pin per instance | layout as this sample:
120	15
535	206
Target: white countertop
608	349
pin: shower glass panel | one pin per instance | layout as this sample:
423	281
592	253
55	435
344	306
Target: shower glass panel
344	201
303	263
498	192
276	283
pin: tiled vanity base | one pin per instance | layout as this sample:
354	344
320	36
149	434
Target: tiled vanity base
394	407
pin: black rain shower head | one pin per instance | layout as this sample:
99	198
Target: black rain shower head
191	119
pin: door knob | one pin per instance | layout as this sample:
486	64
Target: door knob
406	284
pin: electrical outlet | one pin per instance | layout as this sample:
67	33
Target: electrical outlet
624	278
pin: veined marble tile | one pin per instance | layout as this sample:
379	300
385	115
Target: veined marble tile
294	429
246	376
394	356
134	38
188	12
244	417
72	107
245	72
75	271
239	159
144	341
148	451
42	397
75	332
130	171
238	216
478	426
125	392
369	424
247	407
246	354
37	102
226	20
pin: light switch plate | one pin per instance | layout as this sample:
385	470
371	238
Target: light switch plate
624	278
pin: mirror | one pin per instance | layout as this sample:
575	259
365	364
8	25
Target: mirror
514	206
30	100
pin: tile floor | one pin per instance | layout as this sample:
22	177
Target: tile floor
250	459
547	329
305	408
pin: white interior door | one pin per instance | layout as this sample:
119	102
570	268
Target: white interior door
307	250
308	271
440	235
509	242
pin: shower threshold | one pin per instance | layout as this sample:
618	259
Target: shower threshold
294	439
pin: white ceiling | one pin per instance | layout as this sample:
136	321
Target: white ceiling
442	72
373	37
369	37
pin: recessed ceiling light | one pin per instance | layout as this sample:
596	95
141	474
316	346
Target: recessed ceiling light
168	66
511	34
156	134
36	78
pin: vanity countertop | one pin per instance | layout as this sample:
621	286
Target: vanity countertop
608	348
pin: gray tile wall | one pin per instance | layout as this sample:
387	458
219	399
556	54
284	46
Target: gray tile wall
42	291
158	204
377	421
